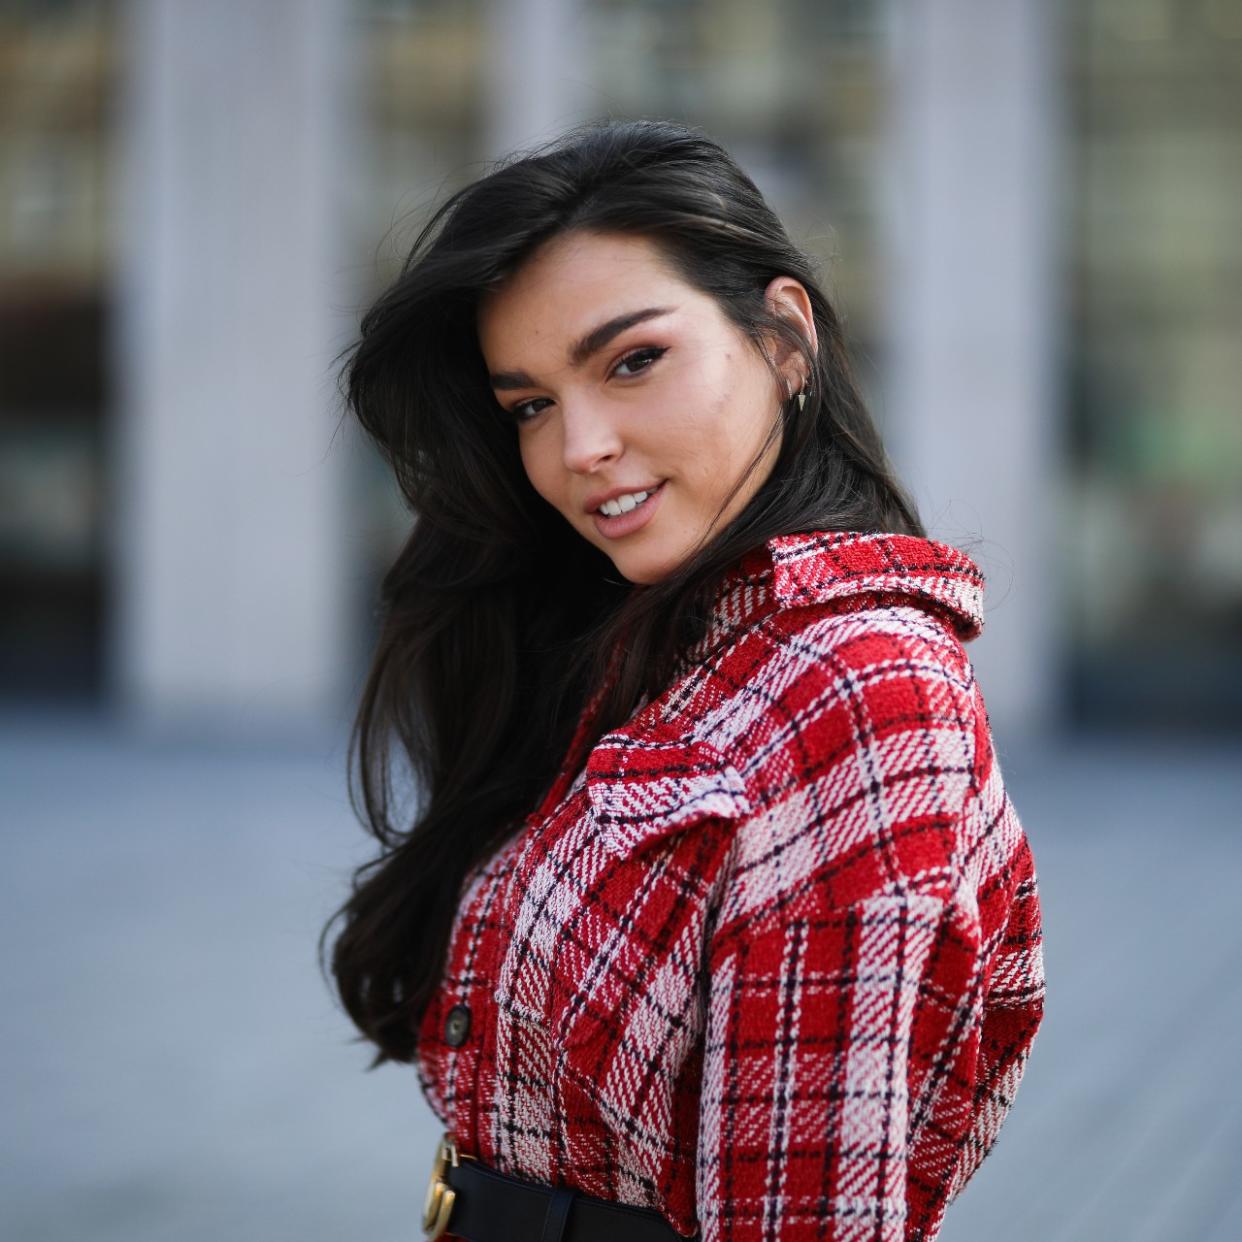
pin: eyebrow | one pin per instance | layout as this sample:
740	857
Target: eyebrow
582	349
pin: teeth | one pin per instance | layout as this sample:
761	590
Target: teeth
623	504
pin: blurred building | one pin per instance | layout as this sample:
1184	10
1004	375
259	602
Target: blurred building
1025	212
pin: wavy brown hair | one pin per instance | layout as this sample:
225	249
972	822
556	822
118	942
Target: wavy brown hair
497	618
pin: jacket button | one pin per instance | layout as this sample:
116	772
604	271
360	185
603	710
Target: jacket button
457	1025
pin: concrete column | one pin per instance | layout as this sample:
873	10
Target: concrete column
974	296
233	595
538	73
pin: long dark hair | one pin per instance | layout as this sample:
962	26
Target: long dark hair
498	619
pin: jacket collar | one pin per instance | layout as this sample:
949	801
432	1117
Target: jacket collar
860	569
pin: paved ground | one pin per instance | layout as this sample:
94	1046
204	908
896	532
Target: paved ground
175	1068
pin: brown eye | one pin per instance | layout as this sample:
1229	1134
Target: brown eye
517	410
651	353
647	355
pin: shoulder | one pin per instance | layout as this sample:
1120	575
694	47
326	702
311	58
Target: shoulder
857	735
839	678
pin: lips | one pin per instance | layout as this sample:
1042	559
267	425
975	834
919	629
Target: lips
631	520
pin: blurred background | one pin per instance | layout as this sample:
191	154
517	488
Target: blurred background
1028	215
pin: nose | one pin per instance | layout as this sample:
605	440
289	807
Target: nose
590	436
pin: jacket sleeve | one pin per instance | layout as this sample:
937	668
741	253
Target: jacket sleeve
866	1019
834	1037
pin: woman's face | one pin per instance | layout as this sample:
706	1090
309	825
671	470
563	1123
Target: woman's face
624	379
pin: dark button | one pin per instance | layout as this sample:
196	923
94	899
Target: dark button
457	1025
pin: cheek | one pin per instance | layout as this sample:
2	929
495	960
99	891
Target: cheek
726	438
744	416
687	414
711	436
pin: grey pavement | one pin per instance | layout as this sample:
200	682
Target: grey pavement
176	1069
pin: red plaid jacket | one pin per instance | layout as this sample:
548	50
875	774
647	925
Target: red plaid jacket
771	962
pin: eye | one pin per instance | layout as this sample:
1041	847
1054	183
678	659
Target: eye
647	355
516	410
651	353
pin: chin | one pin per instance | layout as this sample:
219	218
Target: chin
643	569
637	577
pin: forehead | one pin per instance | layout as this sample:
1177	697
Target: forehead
567	286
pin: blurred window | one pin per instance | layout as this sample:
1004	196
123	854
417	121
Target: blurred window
1153	540
56	66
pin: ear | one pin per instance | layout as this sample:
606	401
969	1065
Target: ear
787	297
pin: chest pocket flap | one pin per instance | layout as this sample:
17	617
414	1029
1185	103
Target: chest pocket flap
640	790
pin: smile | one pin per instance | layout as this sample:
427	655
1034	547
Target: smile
617	526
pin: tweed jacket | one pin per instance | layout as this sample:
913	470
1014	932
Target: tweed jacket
770	963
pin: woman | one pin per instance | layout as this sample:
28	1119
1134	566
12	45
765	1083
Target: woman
714	916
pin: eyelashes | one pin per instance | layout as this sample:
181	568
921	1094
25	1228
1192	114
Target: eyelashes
651	351
648	354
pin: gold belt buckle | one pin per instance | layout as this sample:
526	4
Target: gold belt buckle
438	1205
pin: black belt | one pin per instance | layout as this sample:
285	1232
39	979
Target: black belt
469	1200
